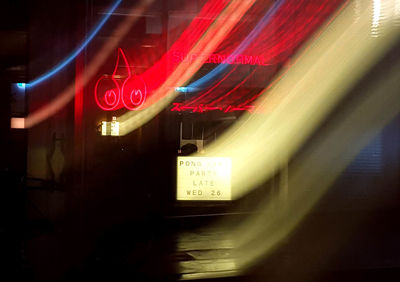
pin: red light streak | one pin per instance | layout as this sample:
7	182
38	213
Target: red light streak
208	42
212	88
276	43
233	90
292	25
289	63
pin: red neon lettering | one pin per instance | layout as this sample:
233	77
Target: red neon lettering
208	108
257	60
248	60
219	58
176	107
213	59
227	109
183	108
199	109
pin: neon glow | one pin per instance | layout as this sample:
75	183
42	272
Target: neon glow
376	17
117	91
274	48
67	94
180	107
110	128
221	59
78	50
262	46
161	77
17	123
114	127
21	85
243	45
103	128
214	33
314	172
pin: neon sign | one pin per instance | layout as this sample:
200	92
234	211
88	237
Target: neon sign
115	91
220	59
180	107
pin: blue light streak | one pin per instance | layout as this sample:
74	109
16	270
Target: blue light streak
21	85
78	50
198	84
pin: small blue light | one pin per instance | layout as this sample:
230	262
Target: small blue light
186	89
181	89
21	85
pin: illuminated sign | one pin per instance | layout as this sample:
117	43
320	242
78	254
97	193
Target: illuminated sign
103	128
123	89
220	59
204	179
115	91
180	107
110	128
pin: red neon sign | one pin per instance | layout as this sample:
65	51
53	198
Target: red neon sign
221	59
180	107
113	92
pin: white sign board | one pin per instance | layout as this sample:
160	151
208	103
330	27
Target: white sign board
204	178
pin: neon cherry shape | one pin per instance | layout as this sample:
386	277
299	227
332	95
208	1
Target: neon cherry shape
110	100
132	94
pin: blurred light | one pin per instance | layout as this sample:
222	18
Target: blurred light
201	82
211	39
78	50
397	12
357	10
114	127
269	47
185	89
103	128
293	104
297	105
376	17
110	128
91	69
181	89
216	58
17	123
21	85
